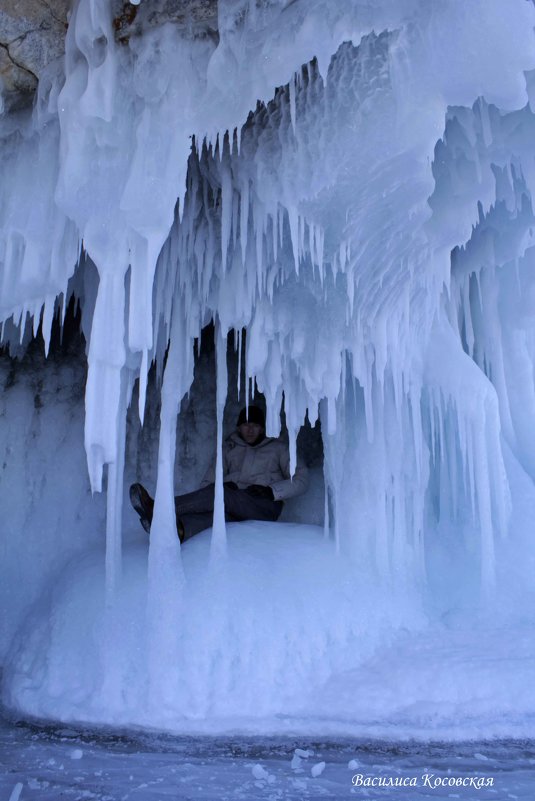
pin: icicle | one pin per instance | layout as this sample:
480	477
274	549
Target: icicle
381	534
470	457
244	218
326	521
113	683
226	204
292	85
469	330
321	255
484	509
165	573
63	310
259	251
235	210
114	499
103	388
293	219
399	515
368	407
301	224
36	319
292	436
336	516
418	440
273	236
219	533
312	244
280	224
453	474
48	318
143	375
239	341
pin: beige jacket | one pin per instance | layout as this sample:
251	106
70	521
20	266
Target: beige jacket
267	463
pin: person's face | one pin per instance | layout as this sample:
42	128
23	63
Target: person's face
250	432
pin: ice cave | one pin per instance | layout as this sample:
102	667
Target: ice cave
323	207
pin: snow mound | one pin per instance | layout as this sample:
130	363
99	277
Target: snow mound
463	683
259	632
283	635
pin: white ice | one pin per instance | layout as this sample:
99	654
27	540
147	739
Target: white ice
255	638
370	226
276	640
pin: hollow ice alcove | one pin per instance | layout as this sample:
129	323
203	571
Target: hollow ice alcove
305	208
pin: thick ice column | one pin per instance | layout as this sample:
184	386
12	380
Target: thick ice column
106	359
165	576
114	493
333	458
471	404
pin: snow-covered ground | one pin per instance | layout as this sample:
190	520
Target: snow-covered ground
51	762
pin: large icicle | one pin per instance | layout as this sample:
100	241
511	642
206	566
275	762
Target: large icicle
219	531
165	584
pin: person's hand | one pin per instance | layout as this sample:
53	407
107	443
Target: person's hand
259	491
230	485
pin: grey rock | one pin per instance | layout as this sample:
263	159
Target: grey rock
32	35
199	16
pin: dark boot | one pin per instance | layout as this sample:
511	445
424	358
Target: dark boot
143	504
180	531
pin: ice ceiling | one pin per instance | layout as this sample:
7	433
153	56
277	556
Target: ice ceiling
351	183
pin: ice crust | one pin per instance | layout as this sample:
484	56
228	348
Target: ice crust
368	222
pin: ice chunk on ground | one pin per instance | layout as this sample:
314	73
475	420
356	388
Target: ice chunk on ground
15	793
259	772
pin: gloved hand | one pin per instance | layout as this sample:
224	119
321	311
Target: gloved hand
259	491
230	485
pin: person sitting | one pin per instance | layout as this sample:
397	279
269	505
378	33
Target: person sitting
256	476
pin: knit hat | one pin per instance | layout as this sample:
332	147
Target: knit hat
252	415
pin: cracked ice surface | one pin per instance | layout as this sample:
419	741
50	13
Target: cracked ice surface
104	765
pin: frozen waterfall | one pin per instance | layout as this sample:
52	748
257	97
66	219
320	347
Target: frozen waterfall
345	191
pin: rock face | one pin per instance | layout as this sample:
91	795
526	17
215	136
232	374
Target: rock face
32	34
199	16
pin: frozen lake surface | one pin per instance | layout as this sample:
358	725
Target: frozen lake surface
55	761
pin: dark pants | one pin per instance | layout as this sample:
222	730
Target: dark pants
195	510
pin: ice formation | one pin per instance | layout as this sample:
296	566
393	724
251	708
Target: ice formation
320	180
288	640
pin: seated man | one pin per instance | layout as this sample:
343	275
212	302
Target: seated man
256	475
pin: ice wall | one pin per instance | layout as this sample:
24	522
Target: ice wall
48	515
303	218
